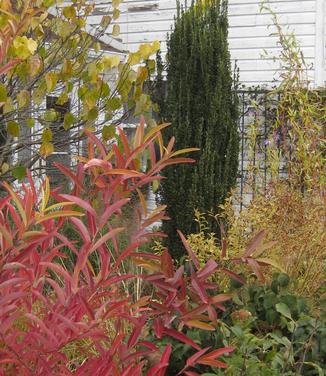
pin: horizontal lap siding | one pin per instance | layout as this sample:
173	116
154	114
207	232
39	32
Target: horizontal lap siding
249	34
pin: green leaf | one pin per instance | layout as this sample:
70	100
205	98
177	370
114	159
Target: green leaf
317	368
19	172
92	114
284	310
108	132
13	128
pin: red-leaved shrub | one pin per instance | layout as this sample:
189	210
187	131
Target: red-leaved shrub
47	309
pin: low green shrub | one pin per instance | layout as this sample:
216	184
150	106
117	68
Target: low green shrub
273	331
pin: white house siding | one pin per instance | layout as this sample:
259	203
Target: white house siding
250	32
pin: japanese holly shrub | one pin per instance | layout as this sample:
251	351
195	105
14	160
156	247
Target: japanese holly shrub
202	107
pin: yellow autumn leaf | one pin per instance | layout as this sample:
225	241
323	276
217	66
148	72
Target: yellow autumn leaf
110	61
51	79
46	149
115	30
116	3
59	214
24	47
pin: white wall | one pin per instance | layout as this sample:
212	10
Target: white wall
249	34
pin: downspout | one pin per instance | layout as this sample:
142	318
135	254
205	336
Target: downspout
320	43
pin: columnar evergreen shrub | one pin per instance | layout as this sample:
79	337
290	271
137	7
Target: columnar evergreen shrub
202	108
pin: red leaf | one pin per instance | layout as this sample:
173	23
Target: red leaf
213	363
158	370
79	202
181	337
220	298
105	238
219	352
158	328
234	276
256	268
67	172
254	243
136	332
167	264
192	360
207	270
82	229
110	209
97	142
199	288
189	250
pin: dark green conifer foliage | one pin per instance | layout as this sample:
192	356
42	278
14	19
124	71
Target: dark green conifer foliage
202	107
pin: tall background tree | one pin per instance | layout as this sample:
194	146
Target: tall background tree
201	104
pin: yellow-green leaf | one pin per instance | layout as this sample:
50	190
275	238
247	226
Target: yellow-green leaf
30	123
23	98
46	149
111	61
51	79
24	47
13	128
183	151
115	30
50	115
134	58
3	93
145	51
116	3
68	120
62	99
17	201
270	262
47	135
108	132
105	22
19	172
116	13
69	12
4	168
